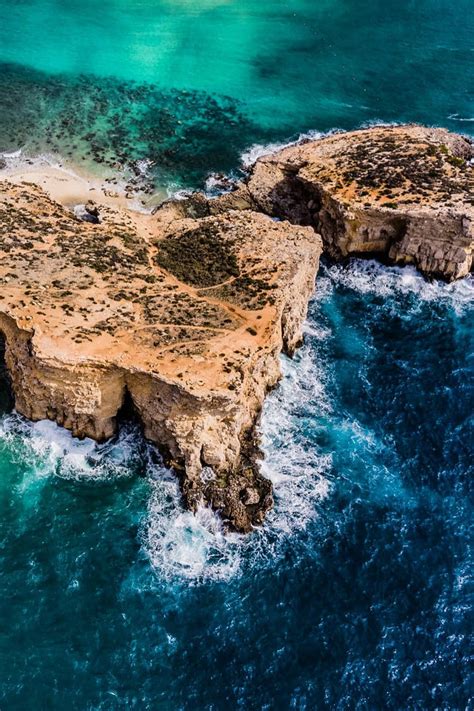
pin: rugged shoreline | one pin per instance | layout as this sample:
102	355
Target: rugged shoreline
186	318
184	312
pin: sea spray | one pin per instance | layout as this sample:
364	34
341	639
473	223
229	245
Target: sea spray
194	547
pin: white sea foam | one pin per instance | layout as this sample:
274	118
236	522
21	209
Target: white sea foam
457	117
47	449
177	193
374	123
258	150
19	160
218	183
194	547
371	277
11	156
213	184
296	468
144	166
181	545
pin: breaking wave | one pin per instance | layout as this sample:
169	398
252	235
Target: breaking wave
371	277
181	545
259	150
457	117
195	547
45	449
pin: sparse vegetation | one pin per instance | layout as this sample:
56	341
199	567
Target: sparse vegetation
200	257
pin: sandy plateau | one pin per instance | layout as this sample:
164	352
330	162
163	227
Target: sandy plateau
183	318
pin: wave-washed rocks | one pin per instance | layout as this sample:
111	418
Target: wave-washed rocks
183	319
405	194
183	314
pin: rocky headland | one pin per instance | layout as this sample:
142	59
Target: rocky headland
184	320
183	314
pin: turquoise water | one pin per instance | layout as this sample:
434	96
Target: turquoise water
357	592
106	83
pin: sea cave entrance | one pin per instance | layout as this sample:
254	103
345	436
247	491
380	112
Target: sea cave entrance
6	393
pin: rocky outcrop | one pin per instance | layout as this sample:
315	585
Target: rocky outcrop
87	213
404	193
184	317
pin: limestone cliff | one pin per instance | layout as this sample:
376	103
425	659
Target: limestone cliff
404	193
185	317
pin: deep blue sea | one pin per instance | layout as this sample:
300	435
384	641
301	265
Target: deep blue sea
357	592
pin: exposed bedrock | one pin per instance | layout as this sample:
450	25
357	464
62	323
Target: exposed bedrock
405	193
184	317
185	312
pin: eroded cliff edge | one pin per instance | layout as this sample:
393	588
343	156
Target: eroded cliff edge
185	312
184	317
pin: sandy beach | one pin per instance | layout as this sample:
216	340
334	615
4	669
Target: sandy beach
71	186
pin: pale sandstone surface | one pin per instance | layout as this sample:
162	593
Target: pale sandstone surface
404	192
185	317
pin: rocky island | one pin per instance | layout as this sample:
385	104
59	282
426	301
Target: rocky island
182	314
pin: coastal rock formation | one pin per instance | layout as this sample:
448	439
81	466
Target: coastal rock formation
183	313
184	318
403	193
